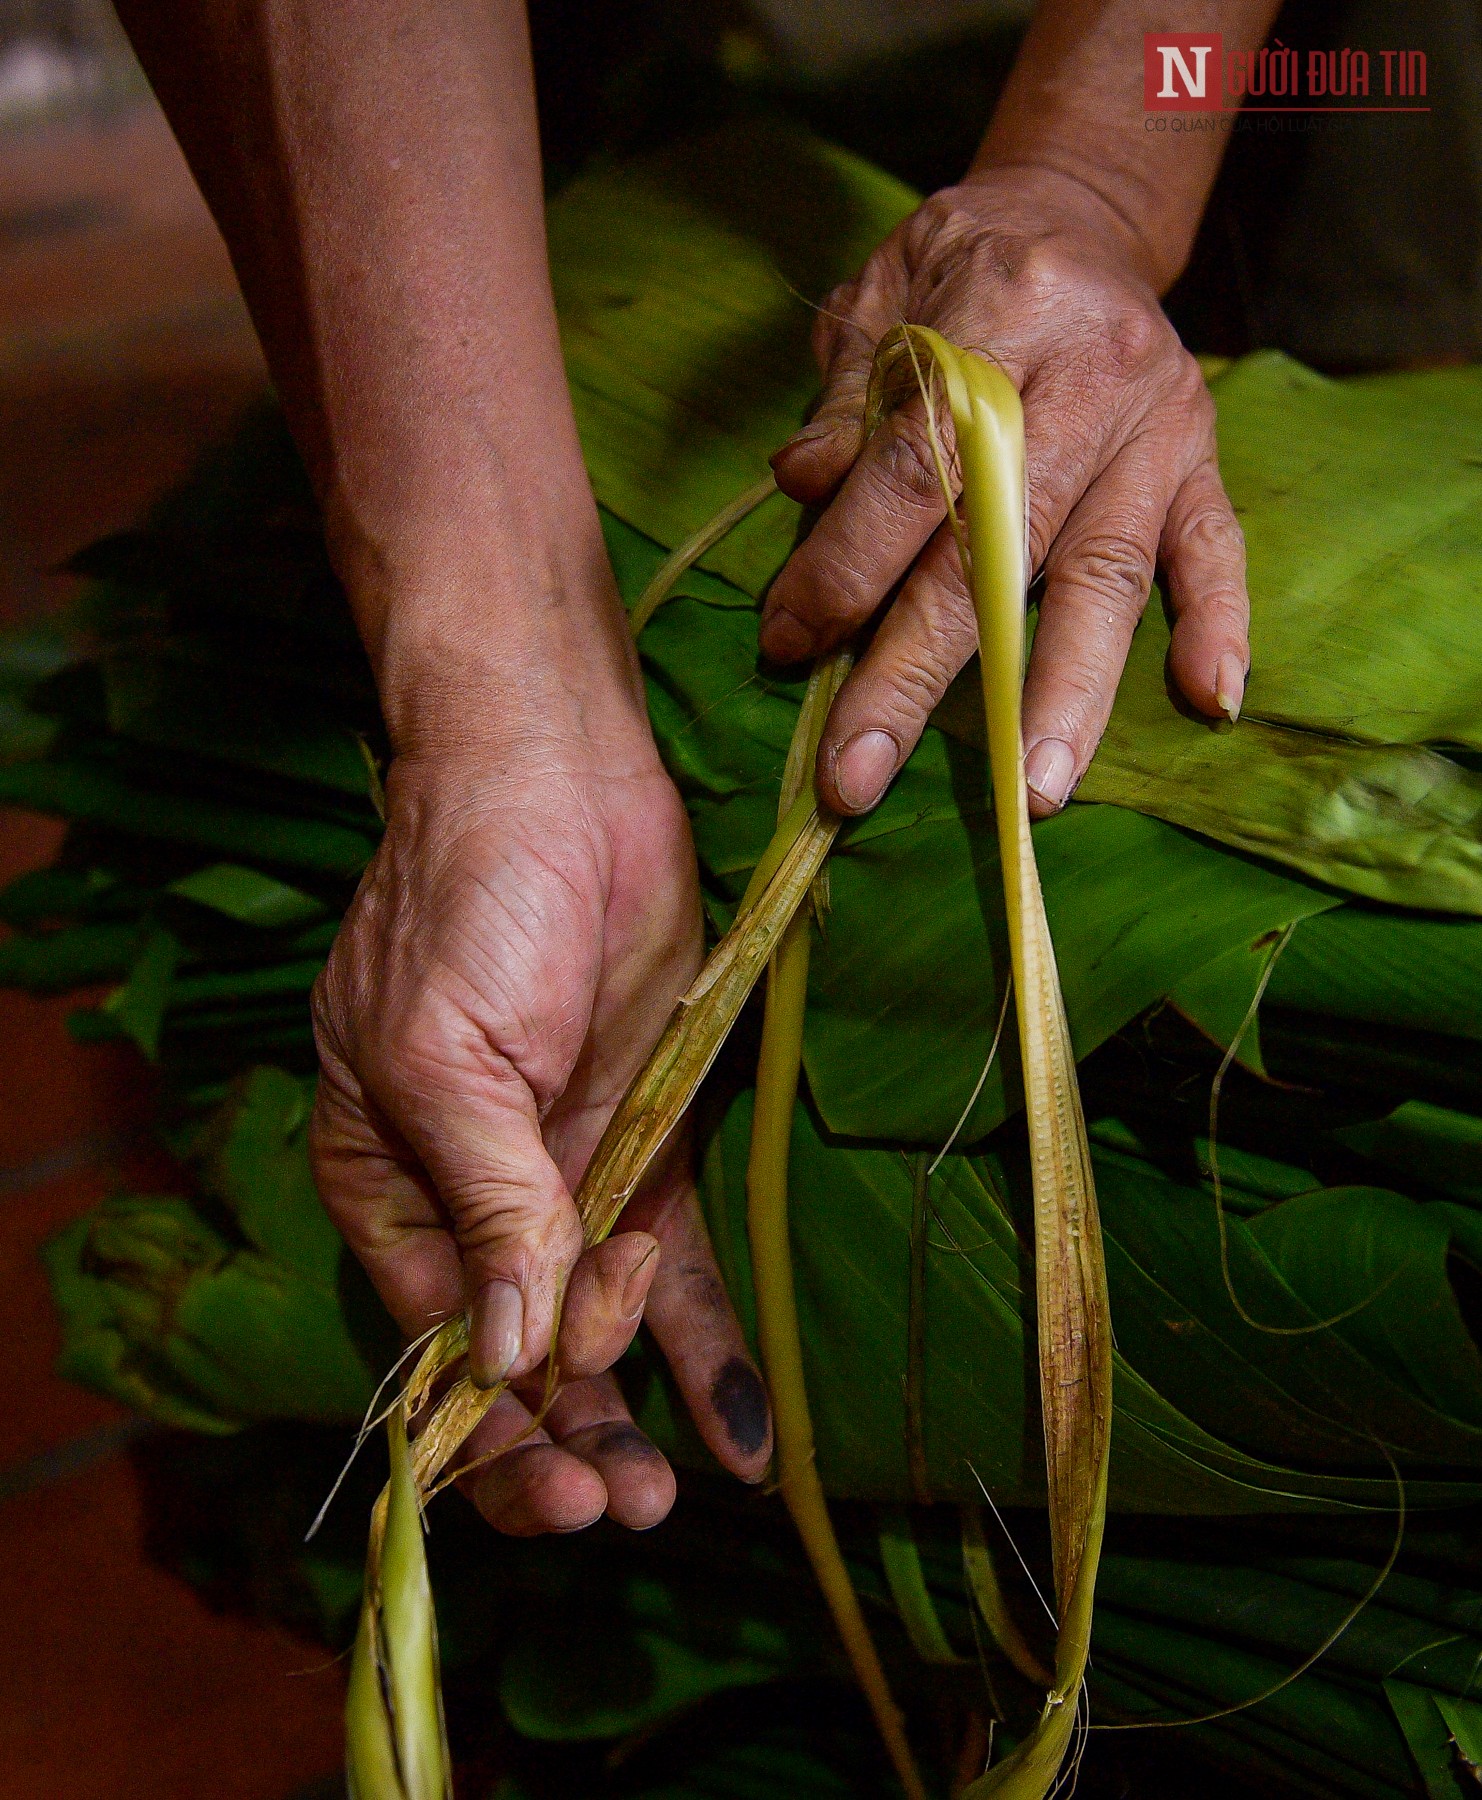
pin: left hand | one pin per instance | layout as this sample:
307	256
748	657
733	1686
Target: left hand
512	955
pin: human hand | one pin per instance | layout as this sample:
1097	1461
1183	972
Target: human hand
1035	269
509	961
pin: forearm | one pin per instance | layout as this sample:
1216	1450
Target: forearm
374	166
1074	104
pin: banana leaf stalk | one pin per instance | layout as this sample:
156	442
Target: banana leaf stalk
694	547
1070	1274
393	1713
396	1745
778	1068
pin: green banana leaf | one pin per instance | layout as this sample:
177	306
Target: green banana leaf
233	834
1423	1144
1214	1414
137	1008
684	285
74	956
639	1629
89	790
1362	964
210	1326
249	896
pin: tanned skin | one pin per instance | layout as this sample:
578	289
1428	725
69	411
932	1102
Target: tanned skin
520	936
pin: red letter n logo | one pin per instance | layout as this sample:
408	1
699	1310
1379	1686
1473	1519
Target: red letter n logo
1182	72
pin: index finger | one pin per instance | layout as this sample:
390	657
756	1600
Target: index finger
890	504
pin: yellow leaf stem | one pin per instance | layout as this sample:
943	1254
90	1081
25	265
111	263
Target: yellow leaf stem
778	1068
1070	1276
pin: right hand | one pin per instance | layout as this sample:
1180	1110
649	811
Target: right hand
1034	269
508	963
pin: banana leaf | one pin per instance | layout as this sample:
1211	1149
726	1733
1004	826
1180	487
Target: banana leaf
210	1322
1371	966
74	956
187	701
906	990
88	790
1432	1146
608	1628
1214	1414
1351	1203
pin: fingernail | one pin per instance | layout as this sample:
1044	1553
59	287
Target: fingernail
635	1288
740	1399
498	1332
1048	769
785	638
809	434
863	768
1229	686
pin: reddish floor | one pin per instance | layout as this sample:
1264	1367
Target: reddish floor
123	351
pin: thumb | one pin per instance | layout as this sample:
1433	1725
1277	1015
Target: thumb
512	1216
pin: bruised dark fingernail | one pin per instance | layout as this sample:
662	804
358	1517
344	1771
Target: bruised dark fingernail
498	1332
785	638
1048	769
738	1396
635	1288
863	768
1229	686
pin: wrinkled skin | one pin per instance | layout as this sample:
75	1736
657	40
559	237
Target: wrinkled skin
509	960
531	915
1034	269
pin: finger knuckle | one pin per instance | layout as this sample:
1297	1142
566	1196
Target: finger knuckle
908	461
946	620
331	1013
917	682
835	314
704	1291
502	1204
1039	269
1133	339
1115	564
323	1011
921	672
417	1056
938	222
1189	395
831	593
1210	530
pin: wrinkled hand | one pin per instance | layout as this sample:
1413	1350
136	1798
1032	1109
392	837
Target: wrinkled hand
508	963
1030	267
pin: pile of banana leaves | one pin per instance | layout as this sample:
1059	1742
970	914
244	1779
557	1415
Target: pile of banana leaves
1296	1286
